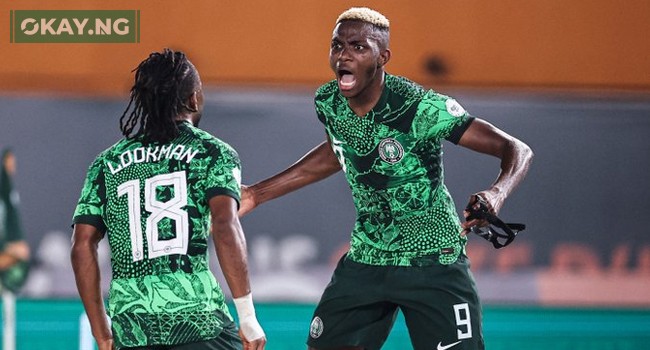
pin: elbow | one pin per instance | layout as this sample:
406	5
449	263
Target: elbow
527	153
80	252
517	153
224	229
223	222
321	170
75	253
524	156
326	171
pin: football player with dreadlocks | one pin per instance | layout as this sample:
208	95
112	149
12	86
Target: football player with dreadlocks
159	194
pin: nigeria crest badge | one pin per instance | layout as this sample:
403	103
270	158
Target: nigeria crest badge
316	327
390	150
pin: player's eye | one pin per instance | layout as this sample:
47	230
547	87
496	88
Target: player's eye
359	47
336	46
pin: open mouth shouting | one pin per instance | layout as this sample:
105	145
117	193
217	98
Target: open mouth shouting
346	80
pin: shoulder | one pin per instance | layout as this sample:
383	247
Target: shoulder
226	150
326	90
445	103
191	134
327	100
435	96
122	145
111	152
404	87
213	144
411	90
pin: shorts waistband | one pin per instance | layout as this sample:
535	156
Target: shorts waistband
444	256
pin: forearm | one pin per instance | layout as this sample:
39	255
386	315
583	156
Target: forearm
231	251
516	158
230	244
314	166
87	276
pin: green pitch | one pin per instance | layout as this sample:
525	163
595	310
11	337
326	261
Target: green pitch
54	325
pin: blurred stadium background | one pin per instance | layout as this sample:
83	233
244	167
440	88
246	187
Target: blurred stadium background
572	79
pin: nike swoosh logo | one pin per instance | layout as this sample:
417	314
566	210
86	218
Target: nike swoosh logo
440	347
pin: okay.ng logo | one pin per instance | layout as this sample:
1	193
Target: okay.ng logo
74	26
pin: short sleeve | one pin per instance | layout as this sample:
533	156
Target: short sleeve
320	116
320	106
325	101
442	117
92	202
224	173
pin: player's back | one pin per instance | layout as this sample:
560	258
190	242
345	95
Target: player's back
157	217
161	189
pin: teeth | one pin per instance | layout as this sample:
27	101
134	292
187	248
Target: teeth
347	81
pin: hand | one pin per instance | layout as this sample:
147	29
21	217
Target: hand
256	344
474	203
105	344
250	331
248	202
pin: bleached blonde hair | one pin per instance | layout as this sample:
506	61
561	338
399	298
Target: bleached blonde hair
365	14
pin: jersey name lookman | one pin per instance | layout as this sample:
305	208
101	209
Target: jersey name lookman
152	200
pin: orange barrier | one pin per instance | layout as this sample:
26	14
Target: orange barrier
600	43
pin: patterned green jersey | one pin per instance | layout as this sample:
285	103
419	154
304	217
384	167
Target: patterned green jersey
152	200
392	159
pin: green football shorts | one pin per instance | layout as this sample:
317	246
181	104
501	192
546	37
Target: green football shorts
440	305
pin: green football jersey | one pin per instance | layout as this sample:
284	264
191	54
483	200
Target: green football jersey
152	200
392	159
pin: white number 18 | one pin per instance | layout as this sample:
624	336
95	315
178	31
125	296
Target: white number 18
171	209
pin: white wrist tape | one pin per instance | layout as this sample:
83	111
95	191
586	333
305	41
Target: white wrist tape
248	324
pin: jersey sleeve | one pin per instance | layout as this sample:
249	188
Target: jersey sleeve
446	118
320	116
92	202
325	101
224	174
320	105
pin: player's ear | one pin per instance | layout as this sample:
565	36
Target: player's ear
193	102
384	57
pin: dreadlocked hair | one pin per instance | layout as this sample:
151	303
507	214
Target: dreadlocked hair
163	83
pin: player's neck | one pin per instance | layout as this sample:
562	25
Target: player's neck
367	99
186	117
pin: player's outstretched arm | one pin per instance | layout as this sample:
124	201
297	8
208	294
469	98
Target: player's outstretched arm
83	255
230	245
515	156
314	166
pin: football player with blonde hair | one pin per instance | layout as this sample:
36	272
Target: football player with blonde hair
407	249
